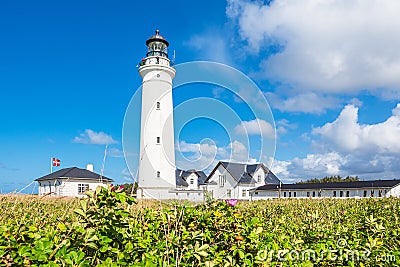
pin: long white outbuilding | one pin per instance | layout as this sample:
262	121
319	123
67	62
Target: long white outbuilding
372	188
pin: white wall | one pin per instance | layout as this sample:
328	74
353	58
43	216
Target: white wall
184	194
394	192
220	191
67	187
353	193
193	176
259	172
195	195
157	87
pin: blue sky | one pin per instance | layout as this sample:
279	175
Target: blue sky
330	72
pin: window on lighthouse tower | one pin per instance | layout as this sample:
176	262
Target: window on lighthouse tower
158	139
158	105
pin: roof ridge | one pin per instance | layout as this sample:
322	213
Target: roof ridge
69	170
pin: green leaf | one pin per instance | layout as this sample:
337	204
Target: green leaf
90	193
32	228
241	254
62	227
203	247
202	253
80	212
83	204
258	230
92	245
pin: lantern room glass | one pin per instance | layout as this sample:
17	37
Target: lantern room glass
157	49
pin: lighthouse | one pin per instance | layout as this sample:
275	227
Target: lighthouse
157	156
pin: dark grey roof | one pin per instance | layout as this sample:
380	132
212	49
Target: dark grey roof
251	168
180	177
157	37
271	178
202	177
247	179
181	182
243	173
75	173
235	169
336	185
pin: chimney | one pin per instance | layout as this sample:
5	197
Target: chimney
89	167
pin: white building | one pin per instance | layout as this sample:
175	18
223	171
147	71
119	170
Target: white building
190	185
235	180
157	156
375	188
72	182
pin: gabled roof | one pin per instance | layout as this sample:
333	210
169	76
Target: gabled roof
180	181
271	178
74	173
243	173
335	185
202	177
182	175
246	179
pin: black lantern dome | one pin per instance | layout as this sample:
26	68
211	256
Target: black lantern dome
157	45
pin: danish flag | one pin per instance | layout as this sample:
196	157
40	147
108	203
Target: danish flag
56	162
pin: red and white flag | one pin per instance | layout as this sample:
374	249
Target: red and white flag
56	162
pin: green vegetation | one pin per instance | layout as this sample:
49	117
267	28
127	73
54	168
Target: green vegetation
110	229
129	188
331	179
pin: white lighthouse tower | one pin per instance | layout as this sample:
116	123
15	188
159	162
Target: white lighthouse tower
157	155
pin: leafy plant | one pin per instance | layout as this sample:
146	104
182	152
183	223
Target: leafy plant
109	228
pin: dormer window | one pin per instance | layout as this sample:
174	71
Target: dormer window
259	179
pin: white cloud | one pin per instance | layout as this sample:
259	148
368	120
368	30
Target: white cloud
212	45
309	102
197	149
255	127
328	163
327	46
217	92
347	135
115	153
348	147
205	155
95	138
126	175
283	125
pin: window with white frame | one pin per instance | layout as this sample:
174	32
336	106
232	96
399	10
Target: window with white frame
82	188
244	194
221	180
259	179
228	193
191	181
158	105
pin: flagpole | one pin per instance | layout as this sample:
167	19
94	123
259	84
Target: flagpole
104	162
51	165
